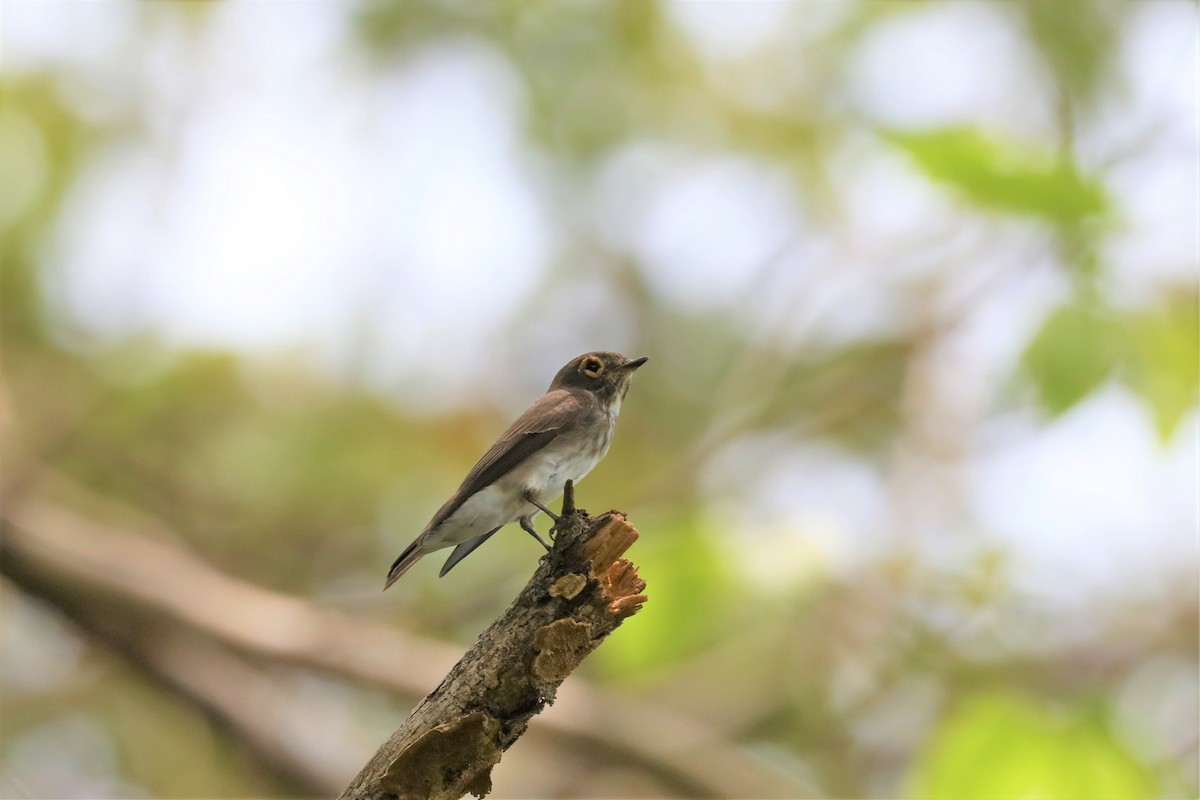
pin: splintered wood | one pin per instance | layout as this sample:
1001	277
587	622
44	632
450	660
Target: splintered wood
618	577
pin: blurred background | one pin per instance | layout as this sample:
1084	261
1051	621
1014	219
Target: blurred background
914	458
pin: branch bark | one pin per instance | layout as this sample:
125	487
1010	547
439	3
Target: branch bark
580	593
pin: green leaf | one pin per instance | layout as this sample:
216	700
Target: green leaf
1078	40
1076	349
1005	746
1004	176
1166	367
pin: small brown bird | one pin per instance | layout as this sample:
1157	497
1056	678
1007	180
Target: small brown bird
561	437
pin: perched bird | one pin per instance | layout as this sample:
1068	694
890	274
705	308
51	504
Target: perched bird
559	438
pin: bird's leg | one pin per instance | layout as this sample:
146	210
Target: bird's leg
527	523
527	526
529	498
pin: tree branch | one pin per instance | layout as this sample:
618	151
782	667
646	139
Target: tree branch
271	723
580	593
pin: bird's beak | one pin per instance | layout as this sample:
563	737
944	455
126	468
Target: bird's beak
634	363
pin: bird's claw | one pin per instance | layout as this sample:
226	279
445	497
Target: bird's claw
567	510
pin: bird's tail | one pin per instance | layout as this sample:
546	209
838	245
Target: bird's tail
411	555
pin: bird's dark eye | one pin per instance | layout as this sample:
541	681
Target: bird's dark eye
592	367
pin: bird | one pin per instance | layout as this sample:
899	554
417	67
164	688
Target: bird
560	437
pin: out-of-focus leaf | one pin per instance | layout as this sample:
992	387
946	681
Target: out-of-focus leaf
1156	352
1166	368
1076	38
1001	746
48	145
1004	176
1076	349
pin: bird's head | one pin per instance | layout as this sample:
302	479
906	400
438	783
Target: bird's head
605	373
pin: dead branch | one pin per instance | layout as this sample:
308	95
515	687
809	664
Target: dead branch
580	593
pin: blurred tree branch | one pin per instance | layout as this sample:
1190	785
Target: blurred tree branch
78	563
237	696
580	593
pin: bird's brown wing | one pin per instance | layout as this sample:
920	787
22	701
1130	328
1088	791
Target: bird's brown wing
542	422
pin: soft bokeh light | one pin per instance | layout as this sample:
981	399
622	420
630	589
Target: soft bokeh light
915	457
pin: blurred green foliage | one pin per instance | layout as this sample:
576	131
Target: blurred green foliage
1078	41
1157	353
1165	365
692	583
1004	176
1002	746
296	481
1076	349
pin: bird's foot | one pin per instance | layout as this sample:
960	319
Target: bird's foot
568	508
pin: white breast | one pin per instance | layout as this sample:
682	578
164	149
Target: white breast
544	473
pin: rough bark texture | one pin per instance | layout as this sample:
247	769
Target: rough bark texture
580	593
